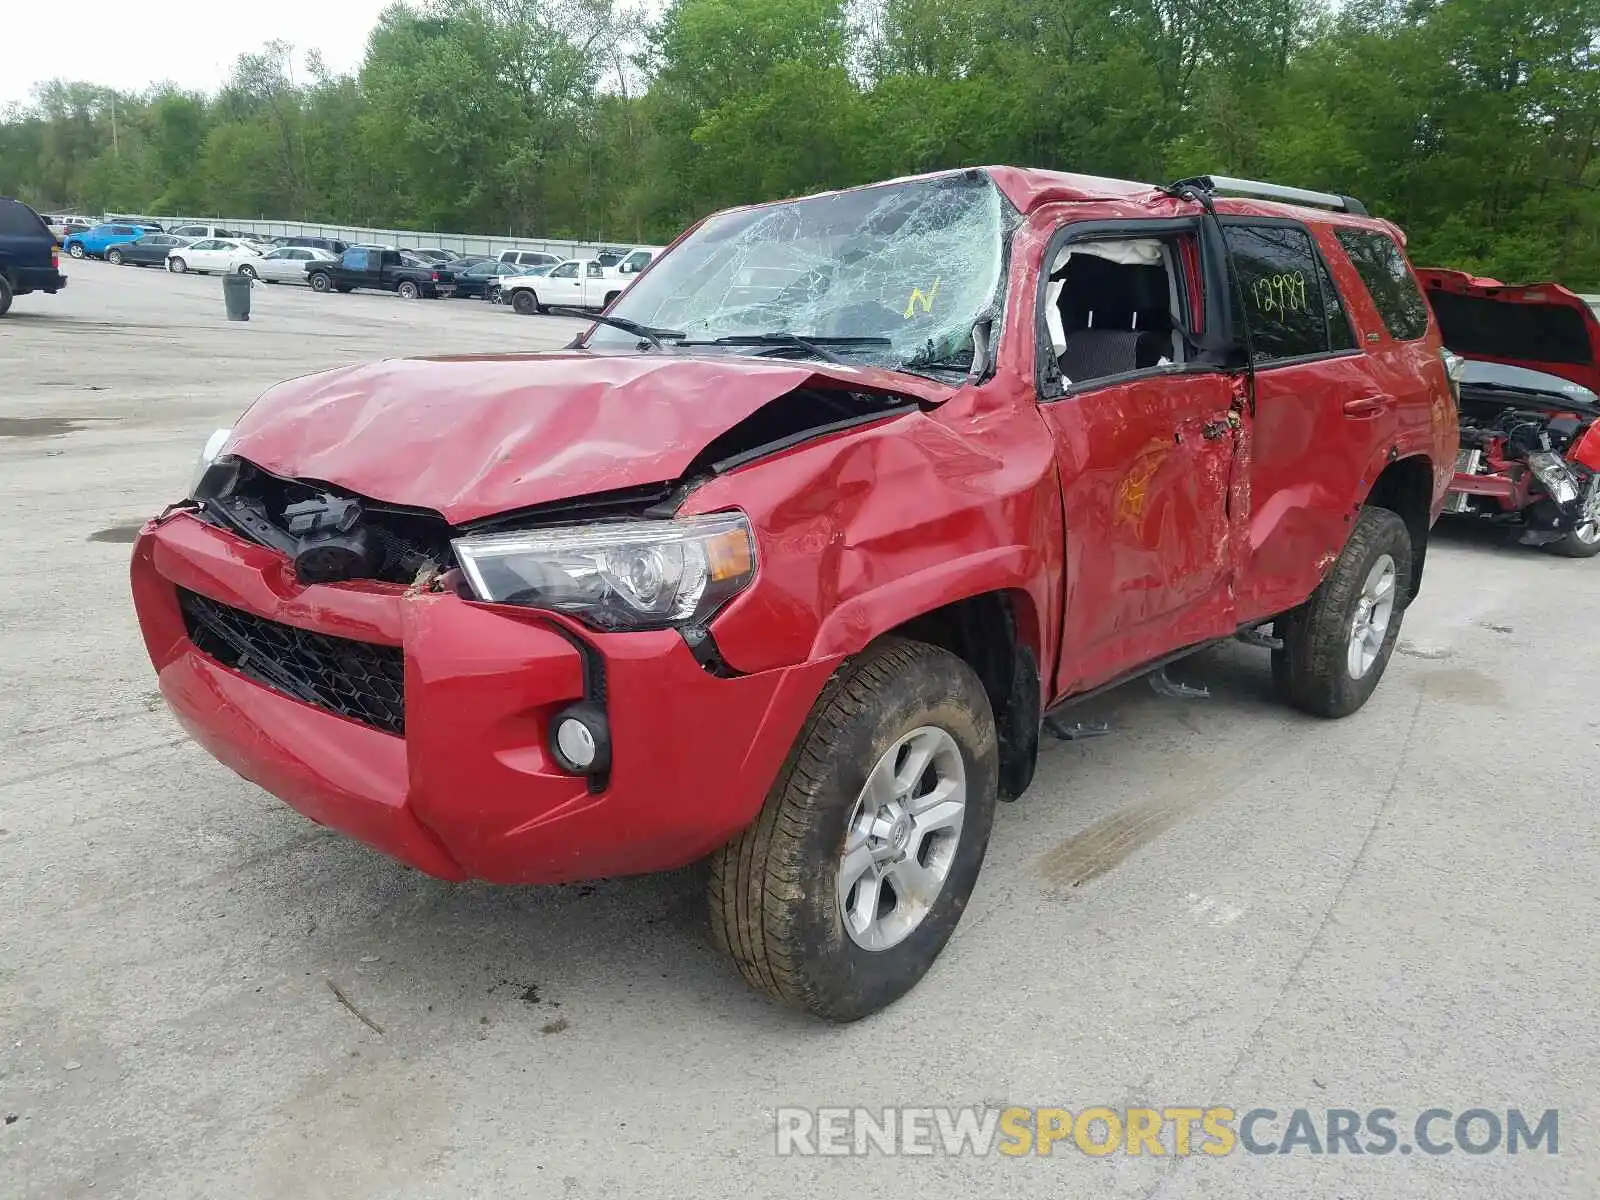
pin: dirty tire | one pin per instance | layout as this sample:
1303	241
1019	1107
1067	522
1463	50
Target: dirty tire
525	303
1312	671
1573	546
774	890
6	295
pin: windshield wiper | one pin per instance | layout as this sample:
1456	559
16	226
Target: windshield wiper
811	345
653	336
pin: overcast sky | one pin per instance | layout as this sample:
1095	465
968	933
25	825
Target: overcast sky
129	46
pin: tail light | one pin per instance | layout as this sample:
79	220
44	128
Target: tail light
436	277
55	259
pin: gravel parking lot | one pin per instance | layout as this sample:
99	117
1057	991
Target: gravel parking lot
1222	903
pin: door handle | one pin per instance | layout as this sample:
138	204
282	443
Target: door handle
1367	406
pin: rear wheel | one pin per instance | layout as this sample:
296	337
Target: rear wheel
408	290
5	295
248	271
525	302
844	891
1337	646
114	257
610	296
177	266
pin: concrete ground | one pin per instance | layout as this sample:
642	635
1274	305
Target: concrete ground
1223	903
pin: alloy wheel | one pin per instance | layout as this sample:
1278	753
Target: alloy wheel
901	838
1374	609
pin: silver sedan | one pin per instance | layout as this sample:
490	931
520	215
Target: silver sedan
286	264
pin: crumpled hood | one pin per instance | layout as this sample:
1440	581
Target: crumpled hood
472	437
1541	326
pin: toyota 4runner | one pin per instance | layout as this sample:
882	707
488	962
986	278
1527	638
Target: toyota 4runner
786	559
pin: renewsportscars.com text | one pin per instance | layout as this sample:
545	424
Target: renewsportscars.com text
1181	1130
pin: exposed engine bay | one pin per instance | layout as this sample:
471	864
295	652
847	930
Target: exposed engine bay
1530	460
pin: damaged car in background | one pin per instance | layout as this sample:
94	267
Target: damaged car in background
790	557
1530	442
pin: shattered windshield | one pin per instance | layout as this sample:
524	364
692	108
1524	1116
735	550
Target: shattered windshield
911	266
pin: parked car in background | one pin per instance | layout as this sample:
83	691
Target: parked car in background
381	270
28	261
496	292
212	256
576	283
332	245
637	259
199	232
65	226
286	264
435	254
475	280
150	250
529	258
95	241
148	224
1530	413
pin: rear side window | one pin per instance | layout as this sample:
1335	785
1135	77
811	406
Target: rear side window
1389	280
1290	302
18	220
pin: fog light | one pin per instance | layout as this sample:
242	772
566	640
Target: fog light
581	740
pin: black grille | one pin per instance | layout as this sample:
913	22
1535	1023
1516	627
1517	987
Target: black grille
359	680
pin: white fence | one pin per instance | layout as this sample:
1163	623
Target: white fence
461	243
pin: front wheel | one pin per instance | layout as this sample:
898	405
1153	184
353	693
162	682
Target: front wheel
5	296
76	250
177	266
320	282
248	272
844	891
114	257
1337	646
1584	540
525	302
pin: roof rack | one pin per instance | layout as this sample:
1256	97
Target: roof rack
1274	191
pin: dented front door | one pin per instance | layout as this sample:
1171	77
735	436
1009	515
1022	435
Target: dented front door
1146	467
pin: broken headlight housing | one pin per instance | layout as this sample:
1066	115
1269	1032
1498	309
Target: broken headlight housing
215	444
619	575
1550	469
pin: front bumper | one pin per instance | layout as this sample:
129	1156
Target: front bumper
471	790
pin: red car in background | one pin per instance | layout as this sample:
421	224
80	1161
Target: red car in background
785	561
1530	407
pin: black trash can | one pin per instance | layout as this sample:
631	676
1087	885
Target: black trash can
236	294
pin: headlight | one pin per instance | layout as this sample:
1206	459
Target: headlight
213	447
1549	469
626	575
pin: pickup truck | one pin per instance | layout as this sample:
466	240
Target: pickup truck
381	270
576	283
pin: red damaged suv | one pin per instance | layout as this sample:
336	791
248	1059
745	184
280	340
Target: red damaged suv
788	558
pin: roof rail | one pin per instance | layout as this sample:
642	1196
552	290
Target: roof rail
1274	191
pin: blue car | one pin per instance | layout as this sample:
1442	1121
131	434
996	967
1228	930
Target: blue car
93	243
